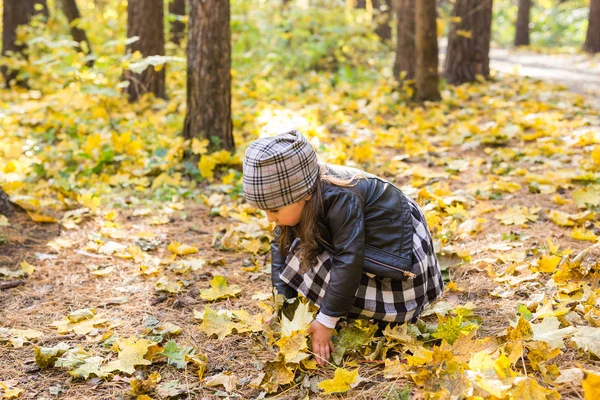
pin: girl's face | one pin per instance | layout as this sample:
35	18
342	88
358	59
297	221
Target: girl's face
287	215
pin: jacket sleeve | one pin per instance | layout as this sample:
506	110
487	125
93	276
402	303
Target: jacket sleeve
345	219
277	266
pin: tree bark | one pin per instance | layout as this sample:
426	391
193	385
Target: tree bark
468	53
72	12
361	3
522	25
592	38
427	77
177	8
6	207
209	73
145	20
405	40
15	13
383	15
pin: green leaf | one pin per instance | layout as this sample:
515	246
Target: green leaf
176	355
350	339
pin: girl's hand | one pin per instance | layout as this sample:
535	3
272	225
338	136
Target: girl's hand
322	345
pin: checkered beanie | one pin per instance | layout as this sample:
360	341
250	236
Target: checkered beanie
279	170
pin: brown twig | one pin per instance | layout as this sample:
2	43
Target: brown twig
11	284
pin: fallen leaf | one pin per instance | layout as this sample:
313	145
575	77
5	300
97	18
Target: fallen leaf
342	381
216	324
588	339
548	331
46	356
181	249
591	385
131	353
225	379
219	289
301	321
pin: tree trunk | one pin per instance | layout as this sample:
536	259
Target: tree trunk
15	13
145	20
427	78
383	14
209	73
6	207
522	25
592	38
468	53
405	40
177	9
361	4
72	12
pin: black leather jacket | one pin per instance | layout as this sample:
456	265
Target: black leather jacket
366	227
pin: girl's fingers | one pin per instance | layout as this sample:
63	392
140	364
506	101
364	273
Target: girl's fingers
331	346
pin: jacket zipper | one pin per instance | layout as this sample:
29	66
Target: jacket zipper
406	273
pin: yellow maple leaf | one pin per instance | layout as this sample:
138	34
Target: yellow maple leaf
548	263
528	389
463	33
131	353
518	216
39	217
10	393
293	347
214	323
589	195
591	385
584	234
276	373
219	289
181	249
200	146
342	381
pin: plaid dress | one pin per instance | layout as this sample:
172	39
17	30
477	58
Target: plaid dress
382	299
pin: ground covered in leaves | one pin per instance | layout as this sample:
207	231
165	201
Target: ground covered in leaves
147	276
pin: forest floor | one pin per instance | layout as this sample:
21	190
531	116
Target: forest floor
507	172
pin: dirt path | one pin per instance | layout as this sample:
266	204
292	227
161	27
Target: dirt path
579	72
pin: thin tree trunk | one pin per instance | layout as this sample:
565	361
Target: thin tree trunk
522	25
72	12
592	38
405	43
427	78
361	3
177	8
6	207
383	14
15	13
145	20
468	53
209	73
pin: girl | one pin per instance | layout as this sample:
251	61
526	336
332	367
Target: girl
350	242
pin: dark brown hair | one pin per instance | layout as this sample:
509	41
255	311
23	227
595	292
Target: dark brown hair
308	249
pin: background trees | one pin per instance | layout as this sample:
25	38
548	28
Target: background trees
427	51
469	41
145	20
522	24
208	73
592	38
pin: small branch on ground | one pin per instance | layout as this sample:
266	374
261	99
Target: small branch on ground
10	284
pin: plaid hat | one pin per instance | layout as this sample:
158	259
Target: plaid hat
279	170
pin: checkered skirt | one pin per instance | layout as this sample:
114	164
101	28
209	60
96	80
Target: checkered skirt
381	299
